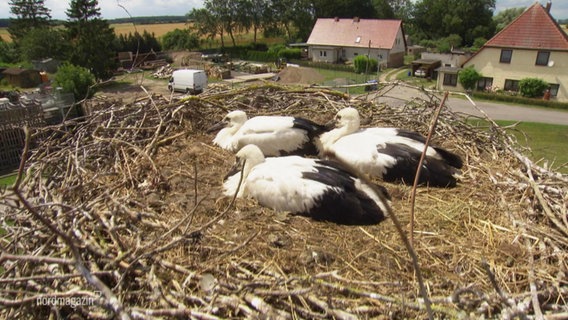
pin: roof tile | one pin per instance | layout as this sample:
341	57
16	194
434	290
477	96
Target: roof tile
534	28
355	32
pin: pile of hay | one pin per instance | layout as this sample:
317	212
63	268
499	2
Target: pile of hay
120	216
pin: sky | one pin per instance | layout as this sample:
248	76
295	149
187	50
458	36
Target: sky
111	9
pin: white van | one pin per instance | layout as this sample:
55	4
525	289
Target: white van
188	81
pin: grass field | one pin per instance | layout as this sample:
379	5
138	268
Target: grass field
125	28
160	29
547	142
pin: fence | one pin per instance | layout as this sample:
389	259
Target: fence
13	117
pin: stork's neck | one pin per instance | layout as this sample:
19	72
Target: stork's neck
224	138
329	138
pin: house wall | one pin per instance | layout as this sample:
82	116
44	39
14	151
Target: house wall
389	57
522	66
323	54
442	87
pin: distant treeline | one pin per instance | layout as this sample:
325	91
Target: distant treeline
4	23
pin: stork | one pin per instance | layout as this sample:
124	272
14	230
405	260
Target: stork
390	154
320	189
274	135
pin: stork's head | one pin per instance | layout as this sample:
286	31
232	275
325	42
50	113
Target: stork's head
232	121
348	118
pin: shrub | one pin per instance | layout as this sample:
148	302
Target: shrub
468	77
76	80
364	64
532	87
180	39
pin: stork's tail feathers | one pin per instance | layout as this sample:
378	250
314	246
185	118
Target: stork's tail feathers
450	158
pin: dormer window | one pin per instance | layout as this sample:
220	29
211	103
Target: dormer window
542	58
358	40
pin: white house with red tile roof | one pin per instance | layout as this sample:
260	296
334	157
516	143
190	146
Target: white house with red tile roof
531	46
335	40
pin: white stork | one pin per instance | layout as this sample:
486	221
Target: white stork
391	154
320	189
274	135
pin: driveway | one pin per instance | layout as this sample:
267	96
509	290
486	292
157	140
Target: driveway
400	94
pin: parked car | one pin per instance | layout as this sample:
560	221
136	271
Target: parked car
420	73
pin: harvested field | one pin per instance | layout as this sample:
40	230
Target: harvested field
122	211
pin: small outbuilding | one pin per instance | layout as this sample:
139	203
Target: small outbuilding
22	78
425	68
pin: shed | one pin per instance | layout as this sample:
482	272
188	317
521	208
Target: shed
22	78
427	65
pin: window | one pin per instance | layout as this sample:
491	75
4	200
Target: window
511	85
542	58
451	79
554	89
323	53
358	39
484	84
506	55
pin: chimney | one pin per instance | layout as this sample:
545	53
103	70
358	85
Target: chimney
548	5
356	19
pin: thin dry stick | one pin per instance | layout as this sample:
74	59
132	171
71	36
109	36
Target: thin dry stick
422	156
91	278
415	264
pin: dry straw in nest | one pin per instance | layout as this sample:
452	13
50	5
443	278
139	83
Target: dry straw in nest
119	215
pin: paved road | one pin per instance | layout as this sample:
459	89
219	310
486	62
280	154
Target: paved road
399	95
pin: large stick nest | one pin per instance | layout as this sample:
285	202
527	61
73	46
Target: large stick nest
120	215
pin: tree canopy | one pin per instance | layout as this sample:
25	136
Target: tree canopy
91	37
470	19
30	14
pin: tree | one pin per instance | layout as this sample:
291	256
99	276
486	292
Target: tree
505	17
364	64
468	78
8	52
532	87
206	24
225	14
179	39
30	14
76	80
91	37
44	43
434	19
138	43
347	8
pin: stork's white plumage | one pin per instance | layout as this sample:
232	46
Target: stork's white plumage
320	189
274	135
391	154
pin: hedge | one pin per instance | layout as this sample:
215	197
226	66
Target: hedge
520	100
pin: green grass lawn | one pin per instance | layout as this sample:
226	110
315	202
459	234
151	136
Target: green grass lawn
547	142
7	180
